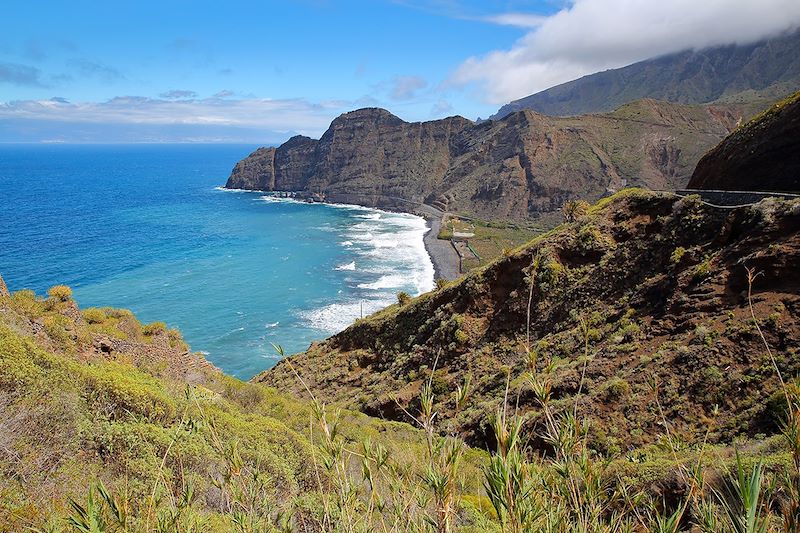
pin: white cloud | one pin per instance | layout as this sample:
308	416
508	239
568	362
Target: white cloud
441	108
521	20
593	35
406	87
286	115
178	94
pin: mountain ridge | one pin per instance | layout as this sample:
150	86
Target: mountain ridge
764	70
525	165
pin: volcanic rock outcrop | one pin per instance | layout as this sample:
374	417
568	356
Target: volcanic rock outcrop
524	165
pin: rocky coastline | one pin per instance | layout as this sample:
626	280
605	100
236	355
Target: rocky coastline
521	167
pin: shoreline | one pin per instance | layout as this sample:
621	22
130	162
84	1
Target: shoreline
443	256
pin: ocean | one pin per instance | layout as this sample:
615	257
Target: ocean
147	228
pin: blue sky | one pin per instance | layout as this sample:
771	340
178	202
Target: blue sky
86	71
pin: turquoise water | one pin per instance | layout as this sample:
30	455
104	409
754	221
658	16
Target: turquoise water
145	227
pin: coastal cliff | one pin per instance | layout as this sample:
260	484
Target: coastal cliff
524	165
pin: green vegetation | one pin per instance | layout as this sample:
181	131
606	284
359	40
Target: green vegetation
119	441
154	328
574	209
677	255
61	293
491	239
751	127
613	388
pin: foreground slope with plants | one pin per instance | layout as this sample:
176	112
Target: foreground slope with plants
110	425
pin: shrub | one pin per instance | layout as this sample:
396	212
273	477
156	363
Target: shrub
176	339
60	293
441	283
617	388
26	302
56	328
590	237
574	209
403	298
549	270
16	367
776	408
702	270
439	384
677	255
154	328
94	315
120	390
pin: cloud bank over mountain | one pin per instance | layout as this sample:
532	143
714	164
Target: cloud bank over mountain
588	36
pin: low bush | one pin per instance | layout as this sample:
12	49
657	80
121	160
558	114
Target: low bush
120	391
677	254
154	328
60	293
94	315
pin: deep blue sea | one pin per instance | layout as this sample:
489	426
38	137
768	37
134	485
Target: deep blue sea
145	227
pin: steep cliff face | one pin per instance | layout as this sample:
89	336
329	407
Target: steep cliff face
762	155
255	172
521	166
372	157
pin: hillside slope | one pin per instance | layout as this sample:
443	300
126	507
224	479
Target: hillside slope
762	155
761	71
645	288
93	396
524	165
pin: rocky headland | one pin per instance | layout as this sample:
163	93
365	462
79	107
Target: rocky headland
524	165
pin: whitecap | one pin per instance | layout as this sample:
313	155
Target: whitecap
335	317
224	189
278	200
346	266
346	243
231	332
271	325
389	281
